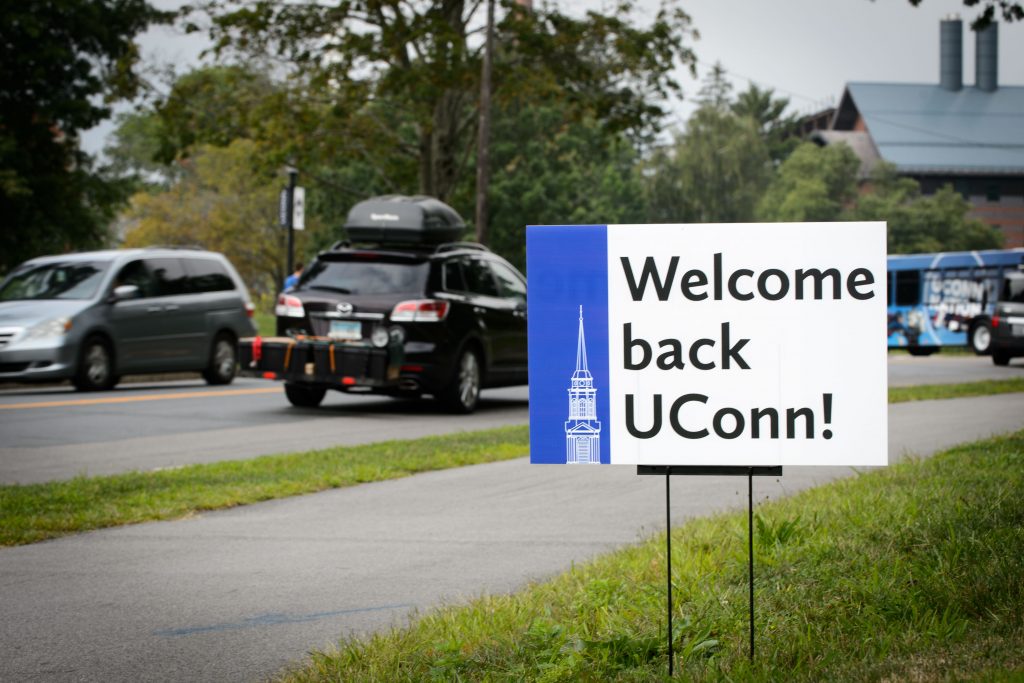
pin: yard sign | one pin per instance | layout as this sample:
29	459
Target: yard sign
731	344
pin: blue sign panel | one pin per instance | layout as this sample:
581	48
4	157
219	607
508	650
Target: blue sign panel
568	314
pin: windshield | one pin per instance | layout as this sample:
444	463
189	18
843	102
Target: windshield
67	280
365	277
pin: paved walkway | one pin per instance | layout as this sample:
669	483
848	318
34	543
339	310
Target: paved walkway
239	594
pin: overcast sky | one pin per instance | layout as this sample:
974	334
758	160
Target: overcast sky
805	50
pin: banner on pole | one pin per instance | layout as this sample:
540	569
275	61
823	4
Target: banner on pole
728	344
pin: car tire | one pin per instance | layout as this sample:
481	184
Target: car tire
463	393
223	361
302	396
1001	357
922	350
981	338
95	371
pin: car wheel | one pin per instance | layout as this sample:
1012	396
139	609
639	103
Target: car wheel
981	338
304	397
463	393
95	371
1000	357
922	350
223	361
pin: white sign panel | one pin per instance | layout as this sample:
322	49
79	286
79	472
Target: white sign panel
733	344
299	209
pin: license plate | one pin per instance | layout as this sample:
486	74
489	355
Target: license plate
348	330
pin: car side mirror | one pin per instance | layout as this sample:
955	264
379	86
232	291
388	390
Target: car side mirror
124	292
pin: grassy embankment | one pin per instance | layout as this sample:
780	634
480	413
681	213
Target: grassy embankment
36	512
910	573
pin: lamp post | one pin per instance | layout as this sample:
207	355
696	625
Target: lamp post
290	216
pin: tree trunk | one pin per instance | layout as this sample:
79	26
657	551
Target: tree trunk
483	154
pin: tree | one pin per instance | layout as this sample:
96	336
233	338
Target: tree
550	169
224	203
1010	11
715	172
64	62
422	59
778	129
813	184
919	224
820	184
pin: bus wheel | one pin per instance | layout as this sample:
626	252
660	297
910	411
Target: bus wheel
922	350
981	338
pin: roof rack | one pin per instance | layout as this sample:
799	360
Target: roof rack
454	246
191	247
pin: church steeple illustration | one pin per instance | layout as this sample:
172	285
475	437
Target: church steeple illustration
582	429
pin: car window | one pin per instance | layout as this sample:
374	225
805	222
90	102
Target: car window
365	277
509	283
454	280
1013	290
479	279
66	280
136	273
208	275
169	276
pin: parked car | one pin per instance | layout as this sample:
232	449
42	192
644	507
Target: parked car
94	317
1008	320
400	310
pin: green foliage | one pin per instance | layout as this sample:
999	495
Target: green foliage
779	130
820	184
421	59
715	171
63	62
549	169
813	184
921	224
223	202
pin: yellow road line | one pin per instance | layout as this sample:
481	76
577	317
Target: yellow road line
132	399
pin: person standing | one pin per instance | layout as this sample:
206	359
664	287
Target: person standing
293	279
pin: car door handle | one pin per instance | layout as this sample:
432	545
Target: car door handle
172	307
479	309
154	309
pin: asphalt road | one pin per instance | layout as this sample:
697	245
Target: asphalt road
239	594
54	433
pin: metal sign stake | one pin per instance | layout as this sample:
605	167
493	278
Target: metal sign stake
750	473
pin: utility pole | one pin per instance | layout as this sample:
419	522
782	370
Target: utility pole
483	153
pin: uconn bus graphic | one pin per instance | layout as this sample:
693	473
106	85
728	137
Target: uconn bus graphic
946	299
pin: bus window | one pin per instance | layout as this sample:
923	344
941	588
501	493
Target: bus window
908	287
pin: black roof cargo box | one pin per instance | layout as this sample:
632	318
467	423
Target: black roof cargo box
397	219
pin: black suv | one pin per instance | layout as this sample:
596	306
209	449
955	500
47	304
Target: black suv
452	313
1008	320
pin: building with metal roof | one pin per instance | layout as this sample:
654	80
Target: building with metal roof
970	137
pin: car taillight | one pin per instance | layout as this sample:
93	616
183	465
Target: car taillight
420	311
250	310
289	307
995	321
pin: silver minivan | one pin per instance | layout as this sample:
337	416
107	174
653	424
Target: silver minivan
93	317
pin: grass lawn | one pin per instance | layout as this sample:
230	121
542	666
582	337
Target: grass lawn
909	573
931	392
36	512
